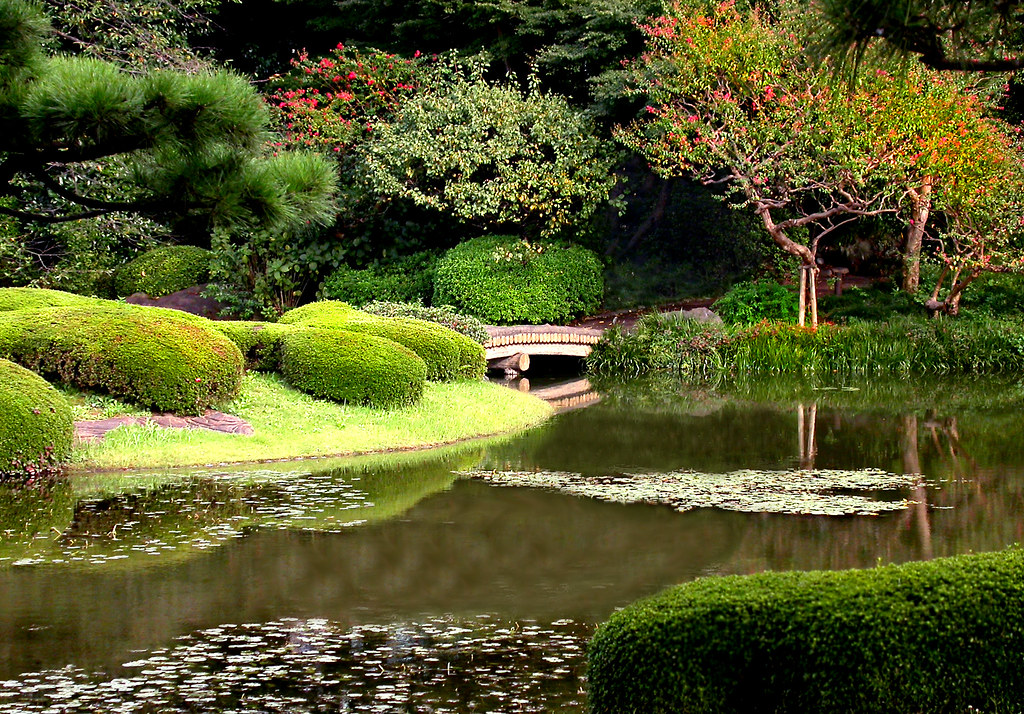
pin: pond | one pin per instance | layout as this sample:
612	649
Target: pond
428	583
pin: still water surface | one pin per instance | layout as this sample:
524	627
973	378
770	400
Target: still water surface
392	584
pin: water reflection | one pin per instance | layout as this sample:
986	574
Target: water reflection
115	569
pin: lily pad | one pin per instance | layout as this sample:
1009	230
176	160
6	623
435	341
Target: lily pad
806	492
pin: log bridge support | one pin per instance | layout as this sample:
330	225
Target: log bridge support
510	348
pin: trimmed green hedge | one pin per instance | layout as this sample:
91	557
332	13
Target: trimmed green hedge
156	358
448	354
259	342
353	368
504	281
36	428
939	636
36	298
443	315
163	271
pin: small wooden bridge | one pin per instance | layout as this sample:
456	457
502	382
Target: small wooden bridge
510	348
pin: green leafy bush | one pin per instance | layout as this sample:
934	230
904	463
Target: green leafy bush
995	294
353	368
443	315
940	636
159	359
757	300
36	429
503	280
875	302
447	353
163	271
408	279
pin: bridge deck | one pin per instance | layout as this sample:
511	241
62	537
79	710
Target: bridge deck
540	340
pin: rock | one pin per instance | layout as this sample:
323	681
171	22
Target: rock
700	314
189	300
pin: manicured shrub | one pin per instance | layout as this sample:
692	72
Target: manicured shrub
36	428
163	271
503	281
940	636
352	368
757	300
443	315
159	359
35	298
259	342
448	354
406	279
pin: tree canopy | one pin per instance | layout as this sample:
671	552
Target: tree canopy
189	149
974	36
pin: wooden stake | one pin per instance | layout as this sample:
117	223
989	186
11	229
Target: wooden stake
803	295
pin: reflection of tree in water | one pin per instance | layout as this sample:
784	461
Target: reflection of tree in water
970	498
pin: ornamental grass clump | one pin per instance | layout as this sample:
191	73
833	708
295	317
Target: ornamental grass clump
352	368
938	636
903	345
36	429
155	358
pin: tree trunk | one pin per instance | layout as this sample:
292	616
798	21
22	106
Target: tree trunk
922	199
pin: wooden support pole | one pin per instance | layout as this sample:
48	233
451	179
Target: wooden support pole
813	280
803	295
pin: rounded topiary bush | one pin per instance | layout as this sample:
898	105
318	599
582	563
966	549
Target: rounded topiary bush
938	636
163	271
447	354
442	315
36	428
504	281
35	298
259	342
352	368
152	357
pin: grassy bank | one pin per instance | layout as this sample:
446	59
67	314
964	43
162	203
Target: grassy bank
289	424
902	345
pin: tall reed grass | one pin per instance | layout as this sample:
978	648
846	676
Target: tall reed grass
907	345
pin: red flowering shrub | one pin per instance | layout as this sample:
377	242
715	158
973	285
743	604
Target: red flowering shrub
333	102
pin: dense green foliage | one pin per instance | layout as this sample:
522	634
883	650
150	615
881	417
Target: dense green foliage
448	354
163	271
902	345
36	429
757	300
157	358
504	280
939	636
354	368
407	279
493	157
186	148
442	315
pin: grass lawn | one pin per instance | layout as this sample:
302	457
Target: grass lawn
290	425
